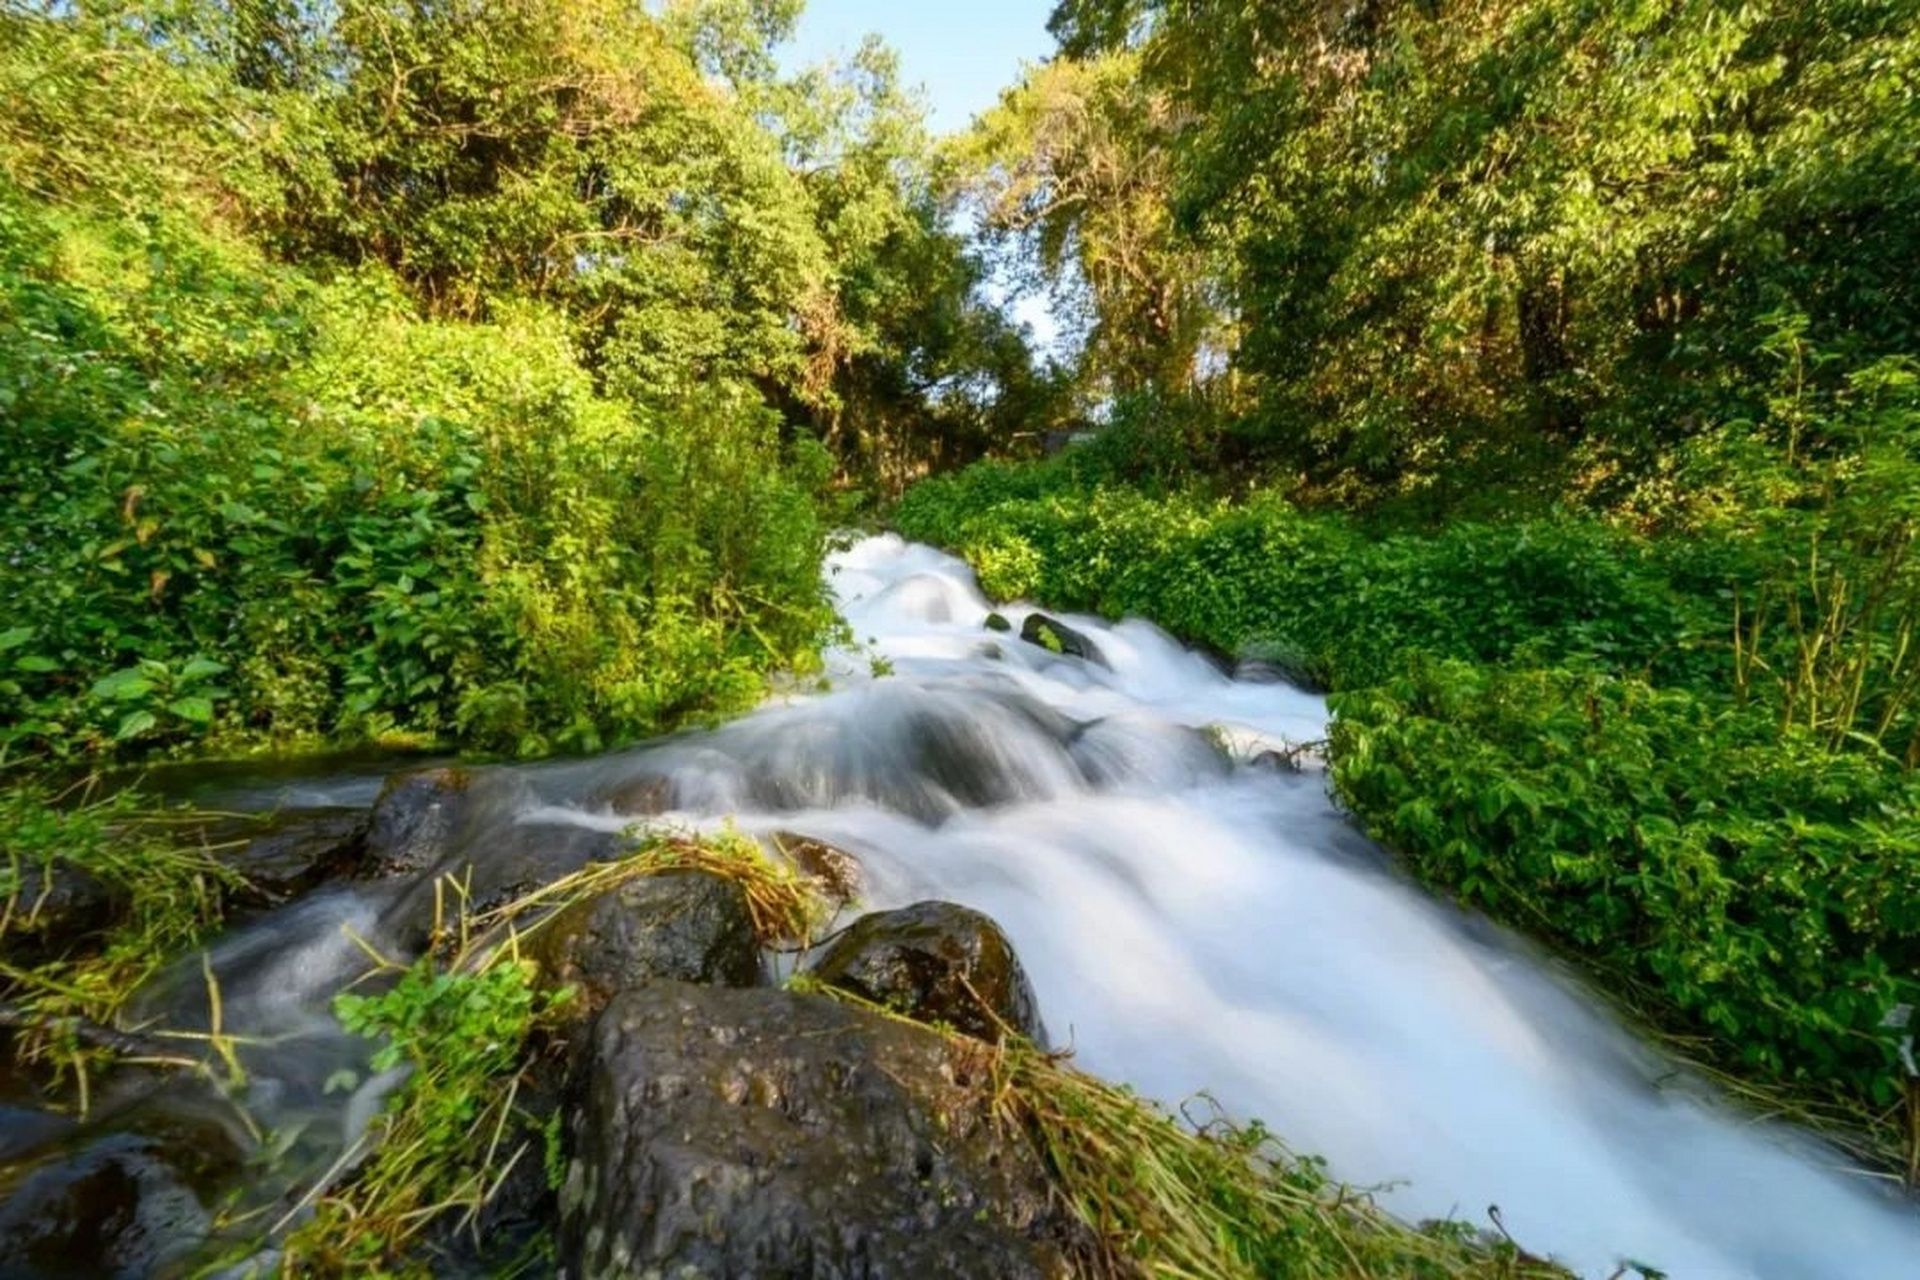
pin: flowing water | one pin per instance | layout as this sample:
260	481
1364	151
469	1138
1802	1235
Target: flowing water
1193	919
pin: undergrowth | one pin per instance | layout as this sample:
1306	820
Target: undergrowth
148	891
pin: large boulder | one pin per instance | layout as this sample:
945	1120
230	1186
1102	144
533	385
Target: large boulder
835	872
935	962
416	819
691	926
771	1134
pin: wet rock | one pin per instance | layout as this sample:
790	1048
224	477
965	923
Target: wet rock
301	849
414	821
1143	753
1276	762
692	926
936	962
835	870
23	1129
998	622
480	831
57	906
117	1209
776	1135
1281	666
924	751
1056	636
643	796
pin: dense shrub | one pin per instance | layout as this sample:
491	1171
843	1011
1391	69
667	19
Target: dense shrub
1261	575
1764	886
1553	722
242	502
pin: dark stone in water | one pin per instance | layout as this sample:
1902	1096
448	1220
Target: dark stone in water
468	832
998	622
1056	636
691	926
117	1209
936	962
301	849
1280	667
783	1136
23	1129
414	820
641	796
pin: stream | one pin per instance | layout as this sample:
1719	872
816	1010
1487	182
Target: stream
1193	916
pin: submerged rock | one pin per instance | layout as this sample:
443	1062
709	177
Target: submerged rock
1281	666
776	1135
1056	636
936	962
301	849
644	795
120	1208
692	926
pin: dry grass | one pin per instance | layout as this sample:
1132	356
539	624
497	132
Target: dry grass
1196	1197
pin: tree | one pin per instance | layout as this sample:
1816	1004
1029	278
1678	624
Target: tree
1540	241
1073	167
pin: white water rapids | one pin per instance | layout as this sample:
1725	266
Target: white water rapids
1192	920
1193	927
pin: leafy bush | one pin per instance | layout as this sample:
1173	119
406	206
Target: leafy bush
1551	721
1762	885
244	504
1261	575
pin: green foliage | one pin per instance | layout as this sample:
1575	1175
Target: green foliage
245	502
1071	175
1558	722
1537	242
255	505
451	1132
1761	884
1261	576
450	371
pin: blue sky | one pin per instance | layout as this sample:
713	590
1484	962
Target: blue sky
961	54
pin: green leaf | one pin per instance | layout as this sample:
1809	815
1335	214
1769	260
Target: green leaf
197	668
35	663
197	710
14	637
134	725
123	686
